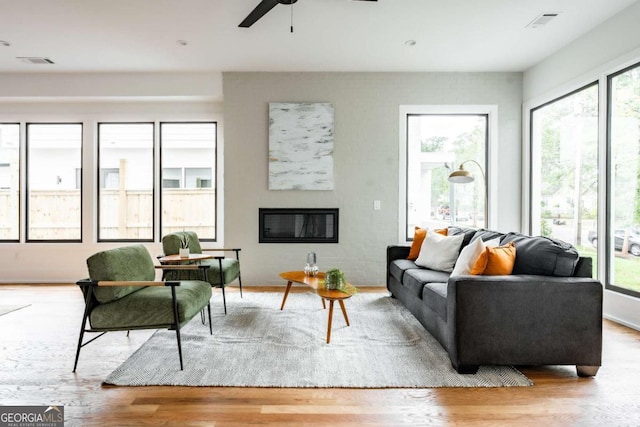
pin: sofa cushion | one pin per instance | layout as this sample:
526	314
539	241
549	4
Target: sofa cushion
434	296
120	264
399	266
542	256
415	279
439	252
468	234
152	306
487	235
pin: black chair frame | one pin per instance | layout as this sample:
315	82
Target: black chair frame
222	282
88	286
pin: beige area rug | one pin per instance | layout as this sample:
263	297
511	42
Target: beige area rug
257	345
6	309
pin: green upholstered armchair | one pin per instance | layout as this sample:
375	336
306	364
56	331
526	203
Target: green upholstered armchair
222	271
121	294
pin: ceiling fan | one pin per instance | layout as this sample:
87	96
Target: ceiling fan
265	6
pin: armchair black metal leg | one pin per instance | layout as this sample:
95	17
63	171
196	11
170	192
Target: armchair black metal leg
83	325
237	251
202	317
176	322
210	325
224	299
206	279
179	347
75	364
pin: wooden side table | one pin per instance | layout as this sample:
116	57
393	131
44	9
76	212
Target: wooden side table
317	284
176	258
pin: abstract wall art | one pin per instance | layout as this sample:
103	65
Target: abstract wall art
301	146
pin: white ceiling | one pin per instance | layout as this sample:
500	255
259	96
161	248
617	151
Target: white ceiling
329	35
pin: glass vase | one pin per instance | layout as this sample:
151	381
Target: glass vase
311	269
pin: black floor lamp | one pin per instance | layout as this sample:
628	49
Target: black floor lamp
463	176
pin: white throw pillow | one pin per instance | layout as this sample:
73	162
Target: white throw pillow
494	243
468	257
439	252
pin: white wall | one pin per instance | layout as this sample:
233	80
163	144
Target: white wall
111	86
614	42
89	98
610	47
366	160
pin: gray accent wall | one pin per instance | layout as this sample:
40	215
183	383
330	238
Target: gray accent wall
366	161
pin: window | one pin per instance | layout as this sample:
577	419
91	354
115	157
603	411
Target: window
172	178
188	157
109	178
436	145
197	177
191	177
126	176
54	205
564	169
9	182
624	187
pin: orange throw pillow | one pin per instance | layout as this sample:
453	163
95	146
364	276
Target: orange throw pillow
498	261
481	263
418	237
443	231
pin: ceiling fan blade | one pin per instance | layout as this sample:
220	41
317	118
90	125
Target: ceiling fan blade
261	9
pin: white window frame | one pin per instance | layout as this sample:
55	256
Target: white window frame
491	111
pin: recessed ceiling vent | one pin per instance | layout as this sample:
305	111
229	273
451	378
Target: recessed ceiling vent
35	60
542	20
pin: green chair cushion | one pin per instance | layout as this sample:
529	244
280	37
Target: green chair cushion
230	268
172	243
152	306
126	263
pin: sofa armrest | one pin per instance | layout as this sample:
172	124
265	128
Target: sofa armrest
524	319
584	267
395	252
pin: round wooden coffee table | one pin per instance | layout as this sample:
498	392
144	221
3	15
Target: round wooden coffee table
317	284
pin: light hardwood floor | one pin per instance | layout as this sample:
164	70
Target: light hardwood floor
38	343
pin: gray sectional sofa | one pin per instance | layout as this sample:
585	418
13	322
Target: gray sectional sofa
547	312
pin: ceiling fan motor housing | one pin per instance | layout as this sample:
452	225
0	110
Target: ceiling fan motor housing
265	6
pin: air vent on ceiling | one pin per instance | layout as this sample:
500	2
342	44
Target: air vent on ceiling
542	20
35	60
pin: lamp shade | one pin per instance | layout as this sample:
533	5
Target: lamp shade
461	176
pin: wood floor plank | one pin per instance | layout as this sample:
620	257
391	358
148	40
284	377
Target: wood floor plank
38	343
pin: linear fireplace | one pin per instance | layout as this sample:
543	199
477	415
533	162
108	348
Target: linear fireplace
292	225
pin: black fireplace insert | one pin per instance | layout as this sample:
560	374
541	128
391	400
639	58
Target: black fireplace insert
293	225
